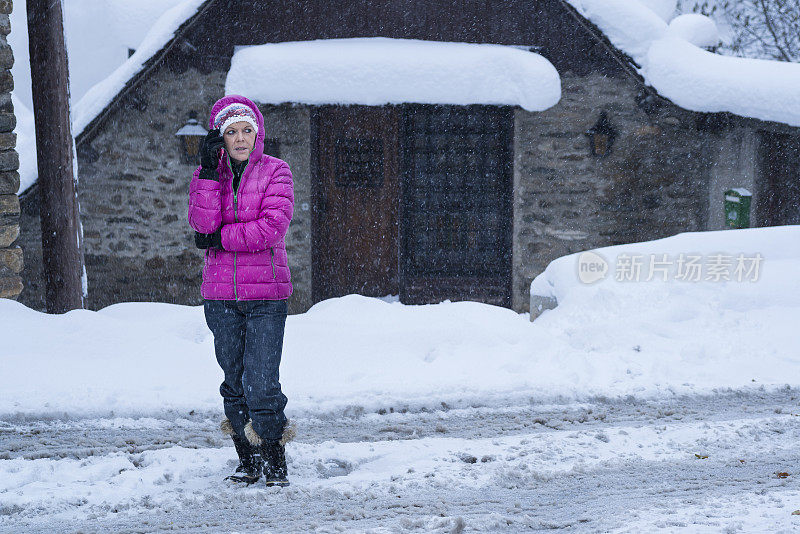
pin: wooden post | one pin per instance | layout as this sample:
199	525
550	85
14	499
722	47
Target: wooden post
58	199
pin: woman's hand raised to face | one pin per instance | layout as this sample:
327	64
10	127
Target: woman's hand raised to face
209	150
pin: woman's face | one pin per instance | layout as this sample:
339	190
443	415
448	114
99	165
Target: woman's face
240	138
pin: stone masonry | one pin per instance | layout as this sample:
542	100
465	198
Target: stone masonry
653	184
10	251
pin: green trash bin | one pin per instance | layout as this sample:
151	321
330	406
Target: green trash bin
737	208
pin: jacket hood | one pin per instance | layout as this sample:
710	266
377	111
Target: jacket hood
258	150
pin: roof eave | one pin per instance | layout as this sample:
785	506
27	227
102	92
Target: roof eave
142	74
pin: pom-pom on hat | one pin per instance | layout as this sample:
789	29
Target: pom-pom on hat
236	112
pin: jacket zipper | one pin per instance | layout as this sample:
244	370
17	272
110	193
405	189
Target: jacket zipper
272	261
236	219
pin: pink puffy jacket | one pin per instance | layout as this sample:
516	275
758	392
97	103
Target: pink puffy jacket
254	220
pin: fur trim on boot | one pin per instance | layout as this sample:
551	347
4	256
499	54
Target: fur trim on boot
226	427
251	434
289	433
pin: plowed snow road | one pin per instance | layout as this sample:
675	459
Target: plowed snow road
721	463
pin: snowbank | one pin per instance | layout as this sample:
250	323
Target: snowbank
609	338
777	245
693	318
377	71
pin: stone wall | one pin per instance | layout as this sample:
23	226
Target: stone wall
133	192
653	184
292	127
10	252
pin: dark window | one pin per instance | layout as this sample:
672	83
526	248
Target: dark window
272	147
457	198
359	162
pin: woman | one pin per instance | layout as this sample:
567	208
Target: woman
240	205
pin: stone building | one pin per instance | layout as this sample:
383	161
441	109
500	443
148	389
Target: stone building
10	251
664	174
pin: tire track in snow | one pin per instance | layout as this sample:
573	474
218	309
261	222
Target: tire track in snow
624	463
21	437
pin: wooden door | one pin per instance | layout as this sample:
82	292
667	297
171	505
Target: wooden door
356	199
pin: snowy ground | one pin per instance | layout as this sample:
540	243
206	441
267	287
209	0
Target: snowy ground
600	466
635	406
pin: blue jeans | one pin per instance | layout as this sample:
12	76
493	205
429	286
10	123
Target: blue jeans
248	340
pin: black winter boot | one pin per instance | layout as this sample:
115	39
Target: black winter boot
249	470
274	457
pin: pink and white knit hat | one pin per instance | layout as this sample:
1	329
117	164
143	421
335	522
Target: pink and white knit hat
236	112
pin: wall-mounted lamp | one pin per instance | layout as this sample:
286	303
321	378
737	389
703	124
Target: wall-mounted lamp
191	134
601	136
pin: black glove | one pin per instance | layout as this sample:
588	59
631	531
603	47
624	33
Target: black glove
209	240
209	154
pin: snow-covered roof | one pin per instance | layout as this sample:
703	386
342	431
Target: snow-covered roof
97	74
98	97
671	60
378	70
120	25
701	81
